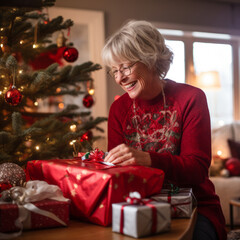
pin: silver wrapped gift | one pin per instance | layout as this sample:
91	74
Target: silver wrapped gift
138	219
181	202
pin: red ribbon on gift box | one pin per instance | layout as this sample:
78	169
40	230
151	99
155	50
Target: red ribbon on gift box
174	206
139	201
171	190
94	156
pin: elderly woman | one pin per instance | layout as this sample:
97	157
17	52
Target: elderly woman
160	123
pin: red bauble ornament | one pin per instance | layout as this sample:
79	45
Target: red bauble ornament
88	101
5	186
13	96
70	54
87	136
233	166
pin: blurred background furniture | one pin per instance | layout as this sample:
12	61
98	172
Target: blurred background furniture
232	203
227	187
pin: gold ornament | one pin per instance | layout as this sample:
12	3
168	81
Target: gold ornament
61	40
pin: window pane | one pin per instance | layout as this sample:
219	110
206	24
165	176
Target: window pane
177	68
216	57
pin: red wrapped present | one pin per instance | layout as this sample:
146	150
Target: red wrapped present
93	186
37	205
9	213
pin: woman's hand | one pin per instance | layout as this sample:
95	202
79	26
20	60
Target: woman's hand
124	155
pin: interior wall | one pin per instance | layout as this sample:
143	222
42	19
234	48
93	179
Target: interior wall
222	16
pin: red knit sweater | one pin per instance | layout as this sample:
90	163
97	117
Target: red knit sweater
178	138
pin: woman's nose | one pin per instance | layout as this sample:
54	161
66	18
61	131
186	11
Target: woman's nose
119	77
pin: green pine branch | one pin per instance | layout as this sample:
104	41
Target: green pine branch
25	132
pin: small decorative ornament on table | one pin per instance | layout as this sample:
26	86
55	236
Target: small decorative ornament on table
11	175
38	205
140	217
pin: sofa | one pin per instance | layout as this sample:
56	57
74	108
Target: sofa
227	187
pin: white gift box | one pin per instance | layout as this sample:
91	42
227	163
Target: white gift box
138	219
181	202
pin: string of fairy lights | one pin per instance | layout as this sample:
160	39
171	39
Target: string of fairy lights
13	95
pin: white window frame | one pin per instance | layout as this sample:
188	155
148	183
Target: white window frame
189	39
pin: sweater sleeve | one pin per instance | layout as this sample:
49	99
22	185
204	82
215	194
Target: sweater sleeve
193	161
115	131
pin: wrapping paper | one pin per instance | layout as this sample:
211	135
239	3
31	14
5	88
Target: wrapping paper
138	219
93	187
38	205
10	212
181	202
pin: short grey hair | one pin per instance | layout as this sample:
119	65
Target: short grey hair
138	41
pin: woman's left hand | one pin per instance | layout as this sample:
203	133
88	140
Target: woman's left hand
124	155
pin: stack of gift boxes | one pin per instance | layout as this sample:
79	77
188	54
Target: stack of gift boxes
99	193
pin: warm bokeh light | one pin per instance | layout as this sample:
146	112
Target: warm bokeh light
36	104
37	147
73	128
61	105
58	90
210	79
221	123
91	91
72	142
219	152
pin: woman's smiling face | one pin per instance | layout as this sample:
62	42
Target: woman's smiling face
142	83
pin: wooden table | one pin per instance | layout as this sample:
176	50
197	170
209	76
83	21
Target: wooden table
85	231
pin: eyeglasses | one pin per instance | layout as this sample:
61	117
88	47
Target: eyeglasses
125	71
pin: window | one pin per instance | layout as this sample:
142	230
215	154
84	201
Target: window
198	54
219	59
177	69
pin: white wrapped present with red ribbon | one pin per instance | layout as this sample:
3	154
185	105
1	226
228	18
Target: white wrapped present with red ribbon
140	217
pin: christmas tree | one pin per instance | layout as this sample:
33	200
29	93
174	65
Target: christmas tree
30	74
